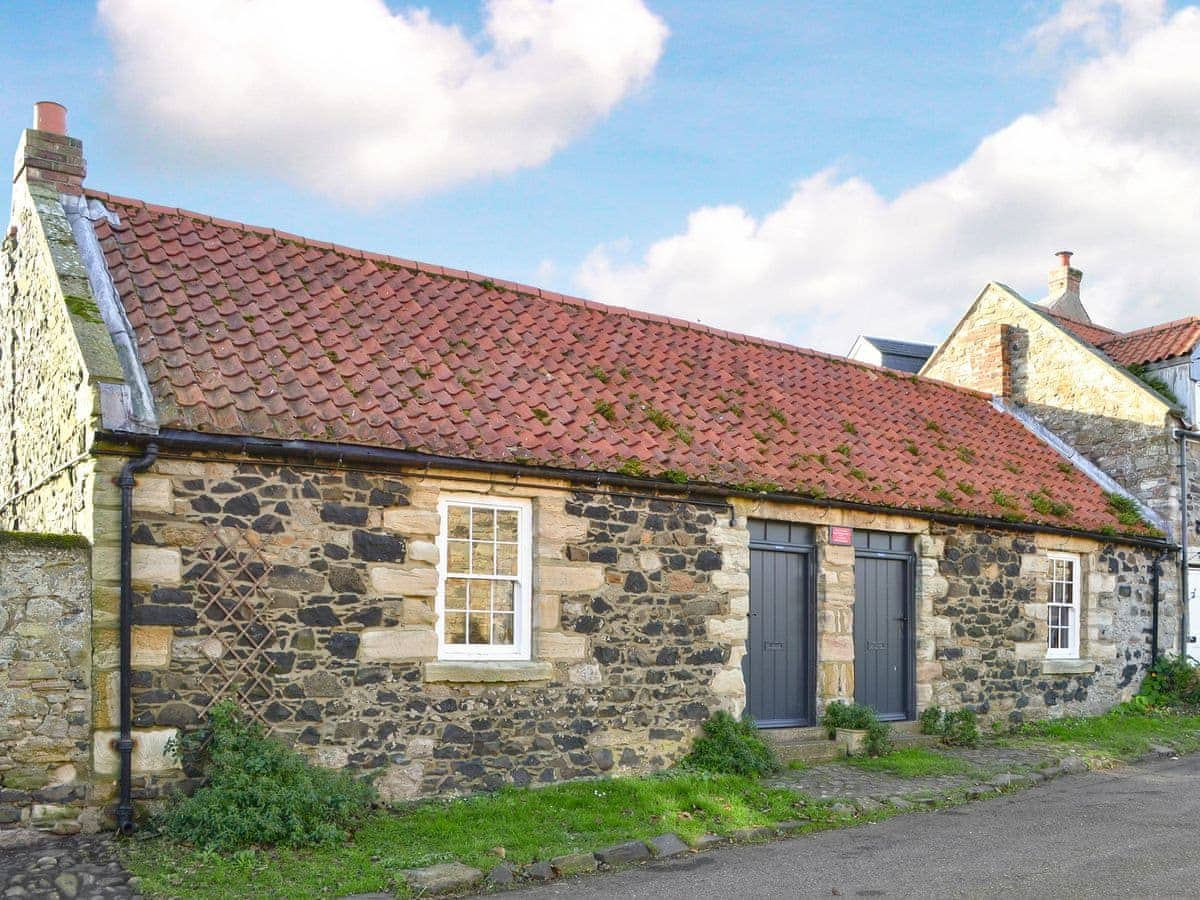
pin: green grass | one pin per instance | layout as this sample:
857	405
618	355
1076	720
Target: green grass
1118	736
529	824
914	762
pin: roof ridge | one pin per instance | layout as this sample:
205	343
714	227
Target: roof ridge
1072	319
520	288
1162	326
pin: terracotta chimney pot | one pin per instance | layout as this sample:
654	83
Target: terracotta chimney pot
50	116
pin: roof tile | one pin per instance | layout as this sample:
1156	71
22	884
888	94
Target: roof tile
276	336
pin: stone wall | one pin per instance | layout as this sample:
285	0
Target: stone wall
45	678
1104	412
45	395
639	623
984	626
638	628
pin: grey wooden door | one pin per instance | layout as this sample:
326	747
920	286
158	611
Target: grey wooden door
779	655
882	662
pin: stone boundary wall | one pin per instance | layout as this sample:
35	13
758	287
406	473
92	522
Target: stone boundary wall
45	683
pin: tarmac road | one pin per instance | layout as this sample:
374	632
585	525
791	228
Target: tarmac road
1132	832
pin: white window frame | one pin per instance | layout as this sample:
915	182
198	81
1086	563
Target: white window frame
1076	606
522	593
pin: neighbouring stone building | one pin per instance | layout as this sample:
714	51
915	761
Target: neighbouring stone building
464	533
1050	364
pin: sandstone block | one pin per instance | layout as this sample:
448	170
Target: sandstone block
556	645
153	494
548	610
397	644
836	647
446	878
156	565
417	612
727	631
489	672
149	751
649	561
409	520
400	783
404	582
928	672
556	527
423	551
734	582
729	683
569	578
152	646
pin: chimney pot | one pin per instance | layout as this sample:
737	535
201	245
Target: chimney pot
50	116
1064	257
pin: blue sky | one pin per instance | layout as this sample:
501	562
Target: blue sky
746	101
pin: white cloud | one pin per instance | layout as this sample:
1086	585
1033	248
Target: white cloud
1102	25
1110	171
361	103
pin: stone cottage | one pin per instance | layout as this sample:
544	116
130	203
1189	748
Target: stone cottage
1094	389
465	533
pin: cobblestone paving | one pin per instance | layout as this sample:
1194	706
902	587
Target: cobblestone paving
37	866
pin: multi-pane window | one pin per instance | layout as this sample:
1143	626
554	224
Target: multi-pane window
1063	607
484	580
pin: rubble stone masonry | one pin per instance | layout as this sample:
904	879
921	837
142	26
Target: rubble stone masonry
308	594
46	398
638	625
45	677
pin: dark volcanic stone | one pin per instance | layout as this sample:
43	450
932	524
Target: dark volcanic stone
344	515
379	547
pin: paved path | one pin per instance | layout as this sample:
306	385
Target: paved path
1133	831
840	781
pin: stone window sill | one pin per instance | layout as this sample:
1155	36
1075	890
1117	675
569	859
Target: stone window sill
1068	667
488	671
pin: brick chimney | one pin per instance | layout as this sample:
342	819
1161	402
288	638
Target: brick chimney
46	155
1064	289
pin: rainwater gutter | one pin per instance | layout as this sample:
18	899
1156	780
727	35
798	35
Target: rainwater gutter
317	452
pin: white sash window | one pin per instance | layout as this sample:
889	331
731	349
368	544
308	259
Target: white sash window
484	579
1063	607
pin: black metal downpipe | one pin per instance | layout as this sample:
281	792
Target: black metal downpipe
1155	573
126	482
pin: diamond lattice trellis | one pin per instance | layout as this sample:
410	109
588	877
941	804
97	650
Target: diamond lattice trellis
229	590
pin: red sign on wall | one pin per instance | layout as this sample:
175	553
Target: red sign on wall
841	535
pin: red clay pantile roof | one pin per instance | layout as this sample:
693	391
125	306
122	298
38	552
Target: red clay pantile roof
249	331
1147	345
1089	332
